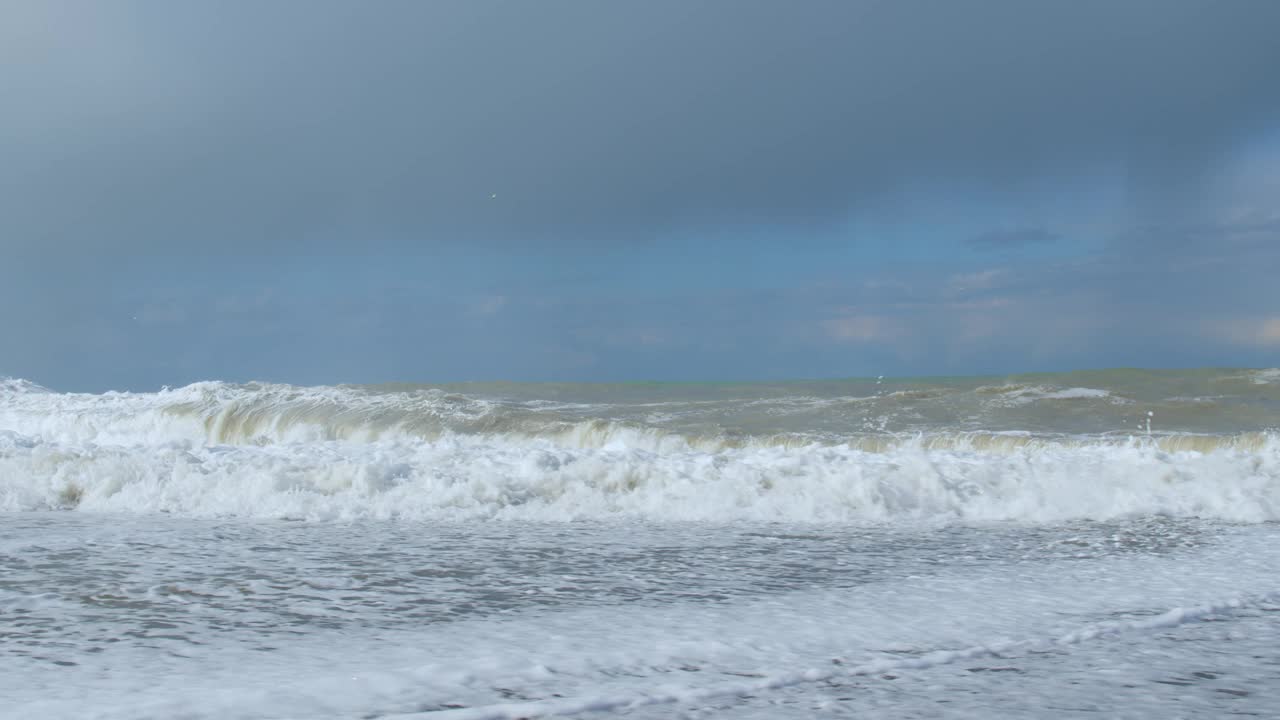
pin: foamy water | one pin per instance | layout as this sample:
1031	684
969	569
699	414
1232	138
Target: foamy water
1096	543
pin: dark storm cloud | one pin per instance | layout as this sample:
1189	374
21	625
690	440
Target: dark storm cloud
1013	238
267	127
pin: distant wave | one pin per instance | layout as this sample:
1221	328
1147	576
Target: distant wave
259	414
1018	394
1266	377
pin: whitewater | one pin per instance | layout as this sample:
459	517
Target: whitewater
1048	545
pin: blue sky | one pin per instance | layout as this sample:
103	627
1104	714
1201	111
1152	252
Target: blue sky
320	192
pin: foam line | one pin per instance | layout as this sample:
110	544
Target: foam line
564	708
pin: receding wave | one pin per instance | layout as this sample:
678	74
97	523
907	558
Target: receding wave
280	451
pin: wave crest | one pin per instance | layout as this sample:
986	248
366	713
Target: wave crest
469	477
264	450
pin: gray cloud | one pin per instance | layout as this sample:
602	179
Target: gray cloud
326	190
1013	238
241	126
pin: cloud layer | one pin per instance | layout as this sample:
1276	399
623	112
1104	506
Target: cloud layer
149	125
326	190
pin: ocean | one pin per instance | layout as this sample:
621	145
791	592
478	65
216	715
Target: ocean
1085	544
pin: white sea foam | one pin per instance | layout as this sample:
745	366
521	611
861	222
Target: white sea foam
779	681
686	655
1266	377
1014	394
1076	394
754	611
339	453
462	477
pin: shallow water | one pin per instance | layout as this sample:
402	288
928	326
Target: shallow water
909	548
157	616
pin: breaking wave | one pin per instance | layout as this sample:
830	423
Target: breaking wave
1021	394
279	451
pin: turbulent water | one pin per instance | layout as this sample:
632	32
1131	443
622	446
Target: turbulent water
1098	542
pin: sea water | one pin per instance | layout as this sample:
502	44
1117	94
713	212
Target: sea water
1072	545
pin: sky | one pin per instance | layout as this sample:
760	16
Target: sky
315	191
